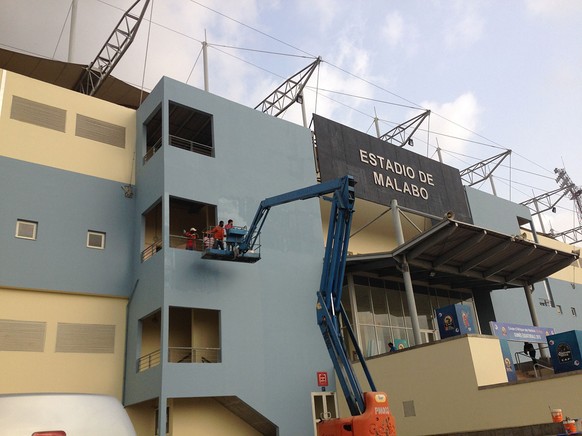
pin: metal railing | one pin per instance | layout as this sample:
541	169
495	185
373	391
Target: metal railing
152	150
194	355
150	250
180	355
179	241
186	144
539	365
148	361
535	363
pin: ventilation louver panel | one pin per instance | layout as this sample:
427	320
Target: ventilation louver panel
85	338
39	114
22	335
100	131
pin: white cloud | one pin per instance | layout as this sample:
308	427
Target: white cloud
455	119
465	26
553	8
394	29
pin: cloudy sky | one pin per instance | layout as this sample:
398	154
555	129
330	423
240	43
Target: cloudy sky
496	74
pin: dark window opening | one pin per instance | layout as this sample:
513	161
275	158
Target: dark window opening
153	134
152	231
189	129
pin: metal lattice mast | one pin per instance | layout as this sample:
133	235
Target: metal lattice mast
289	92
115	47
575	191
401	135
483	170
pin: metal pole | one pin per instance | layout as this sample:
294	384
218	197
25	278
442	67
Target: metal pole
72	30
547	286
534	317
539	215
354	304
492	185
303	111
406	274
377	127
205	61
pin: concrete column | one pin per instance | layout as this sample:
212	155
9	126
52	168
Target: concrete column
406	274
534	316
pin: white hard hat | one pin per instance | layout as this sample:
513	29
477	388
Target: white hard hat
192	229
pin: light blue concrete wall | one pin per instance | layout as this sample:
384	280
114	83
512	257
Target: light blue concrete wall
510	305
271	343
495	213
66	205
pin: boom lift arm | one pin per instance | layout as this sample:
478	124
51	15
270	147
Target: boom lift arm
370	411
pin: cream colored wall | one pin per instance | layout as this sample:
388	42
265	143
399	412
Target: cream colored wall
49	371
573	273
204	416
65	151
372	228
442	380
487	360
143	417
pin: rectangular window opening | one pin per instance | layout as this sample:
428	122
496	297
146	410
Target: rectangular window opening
26	229
96	240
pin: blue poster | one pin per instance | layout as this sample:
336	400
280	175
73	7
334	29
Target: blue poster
520	333
566	351
454	320
507	361
400	344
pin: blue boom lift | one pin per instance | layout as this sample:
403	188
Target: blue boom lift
370	411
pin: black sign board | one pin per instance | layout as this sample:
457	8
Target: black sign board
384	172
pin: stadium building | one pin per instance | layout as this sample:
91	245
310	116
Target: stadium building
100	295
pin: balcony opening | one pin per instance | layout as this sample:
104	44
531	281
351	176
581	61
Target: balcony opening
186	215
152	231
194	335
191	130
151	339
153	134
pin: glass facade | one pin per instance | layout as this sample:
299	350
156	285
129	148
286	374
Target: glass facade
381	314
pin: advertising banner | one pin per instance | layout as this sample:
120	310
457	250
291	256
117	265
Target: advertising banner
520	333
566	351
384	172
507	360
455	320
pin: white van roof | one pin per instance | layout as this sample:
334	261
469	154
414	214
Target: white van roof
75	414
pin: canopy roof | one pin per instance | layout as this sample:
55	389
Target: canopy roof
67	75
457	255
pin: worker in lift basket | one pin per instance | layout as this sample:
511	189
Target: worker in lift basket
218	235
190	238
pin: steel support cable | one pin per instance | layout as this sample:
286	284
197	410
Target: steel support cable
253	29
63	29
263	51
195	63
370	222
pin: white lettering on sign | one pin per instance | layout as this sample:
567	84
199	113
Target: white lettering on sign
382	410
398	176
404	187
